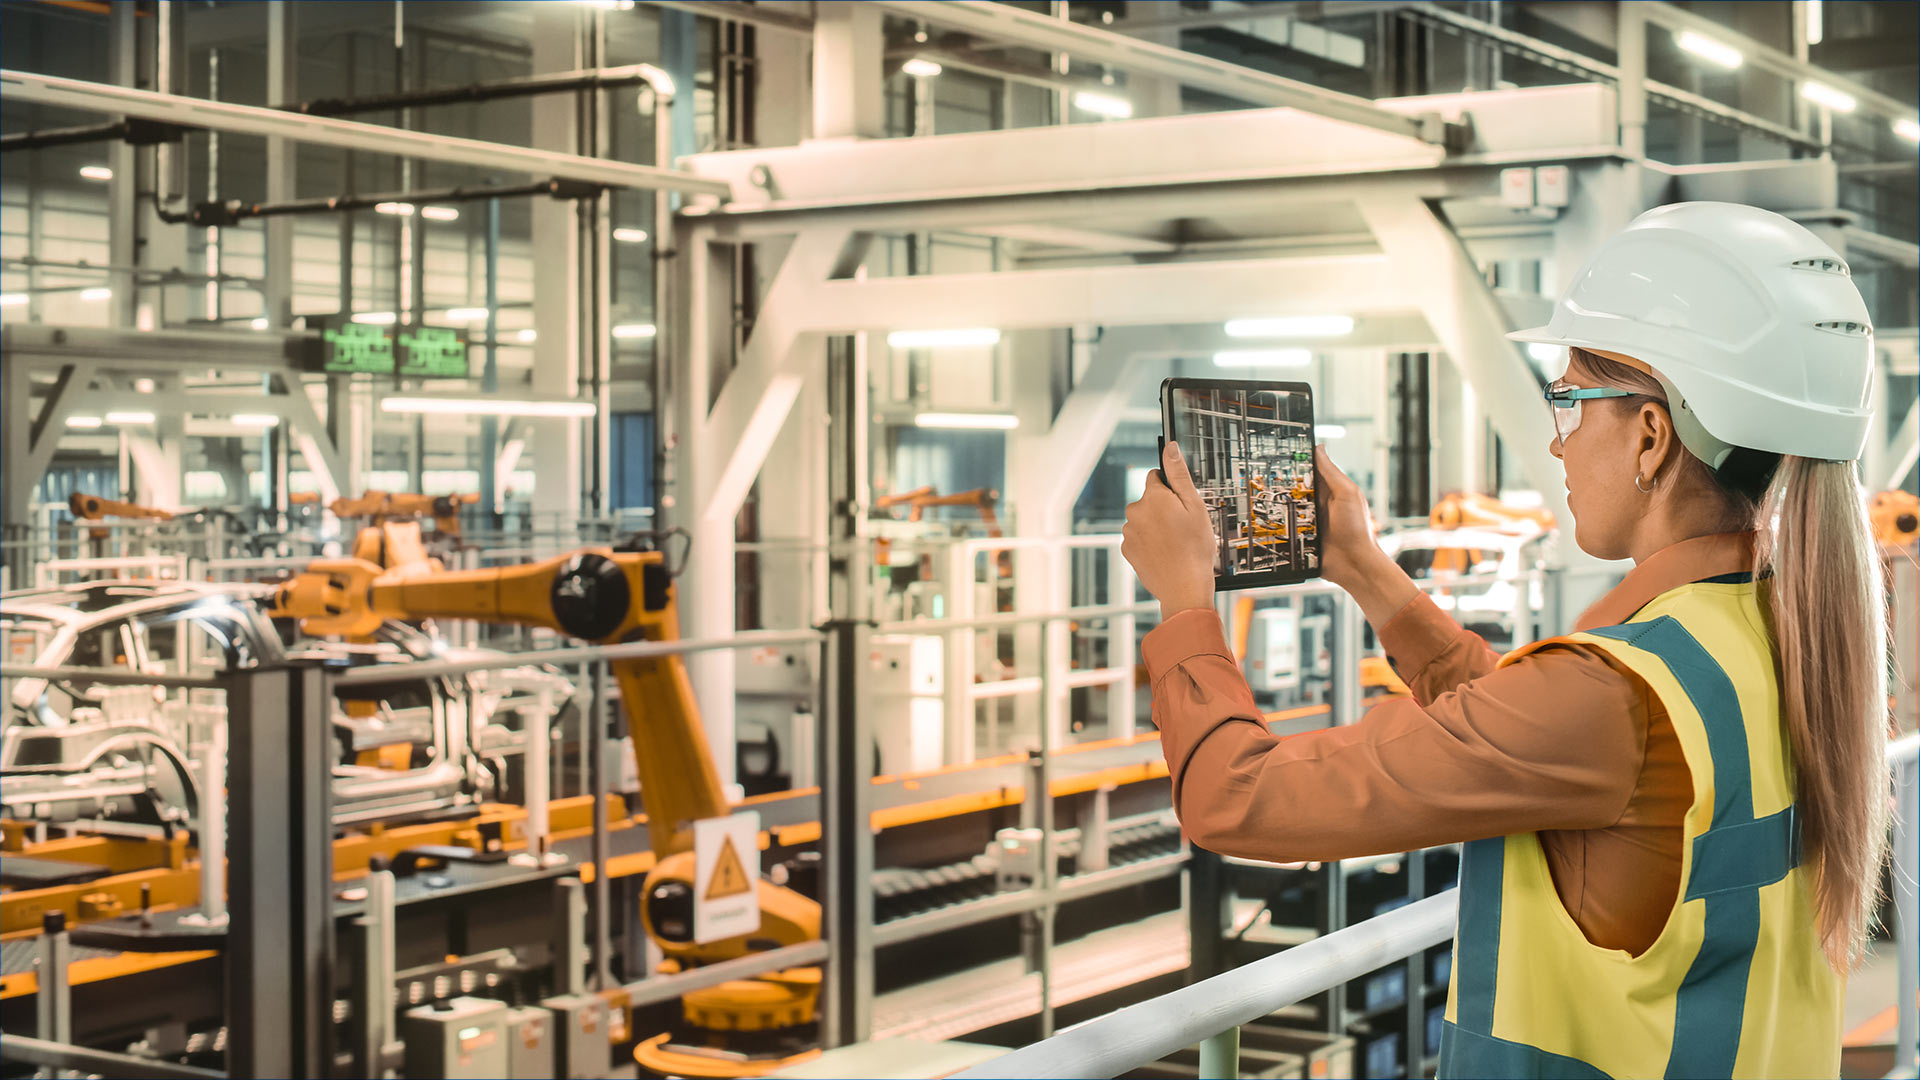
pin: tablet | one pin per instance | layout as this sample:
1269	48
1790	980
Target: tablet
1249	446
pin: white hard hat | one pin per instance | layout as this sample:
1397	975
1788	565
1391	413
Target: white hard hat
1752	322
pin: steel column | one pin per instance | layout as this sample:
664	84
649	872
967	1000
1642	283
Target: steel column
280	935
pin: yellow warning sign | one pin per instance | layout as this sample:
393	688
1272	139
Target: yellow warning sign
729	877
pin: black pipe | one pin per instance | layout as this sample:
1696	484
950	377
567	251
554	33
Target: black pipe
234	211
139	132
465	95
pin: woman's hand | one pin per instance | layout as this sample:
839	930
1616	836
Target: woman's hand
1168	538
1349	555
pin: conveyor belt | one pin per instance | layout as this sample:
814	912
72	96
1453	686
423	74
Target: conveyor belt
18	956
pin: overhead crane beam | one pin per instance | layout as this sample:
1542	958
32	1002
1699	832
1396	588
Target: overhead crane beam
192	112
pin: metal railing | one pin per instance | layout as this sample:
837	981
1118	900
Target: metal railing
1210	1013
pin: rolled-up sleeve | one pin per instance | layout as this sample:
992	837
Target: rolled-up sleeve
1554	741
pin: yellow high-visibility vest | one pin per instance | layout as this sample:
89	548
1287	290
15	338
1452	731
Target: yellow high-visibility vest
1737	983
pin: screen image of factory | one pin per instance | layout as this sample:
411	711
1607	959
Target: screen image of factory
1251	455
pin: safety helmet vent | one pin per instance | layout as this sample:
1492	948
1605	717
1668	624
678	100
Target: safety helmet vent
1845	326
1825	264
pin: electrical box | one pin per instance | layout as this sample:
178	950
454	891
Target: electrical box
458	1038
529	1044
1273	649
1552	185
582	1044
906	687
1019	859
1516	188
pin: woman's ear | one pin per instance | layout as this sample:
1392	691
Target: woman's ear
1658	442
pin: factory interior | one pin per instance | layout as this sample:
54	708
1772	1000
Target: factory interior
583	538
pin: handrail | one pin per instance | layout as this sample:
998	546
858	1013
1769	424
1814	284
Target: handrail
1124	1039
634	650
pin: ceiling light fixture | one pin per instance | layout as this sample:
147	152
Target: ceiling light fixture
1716	52
920	68
1107	105
1816	23
255	420
83	423
130	417
95	172
13	299
259	322
943	339
484	406
1822	94
967	421
1263	357
527	336
1907	129
466	314
440	213
375	318
630	235
634	331
1292	326
397	209
100	292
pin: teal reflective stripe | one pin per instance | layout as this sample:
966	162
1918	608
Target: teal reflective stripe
1745	856
1712	695
1476	950
1468	1054
1712	1000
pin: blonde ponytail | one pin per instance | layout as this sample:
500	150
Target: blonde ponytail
1826	603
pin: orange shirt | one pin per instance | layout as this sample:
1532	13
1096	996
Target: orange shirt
1564	742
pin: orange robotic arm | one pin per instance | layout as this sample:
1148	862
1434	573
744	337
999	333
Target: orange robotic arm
93	508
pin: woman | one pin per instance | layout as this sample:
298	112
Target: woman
1675	816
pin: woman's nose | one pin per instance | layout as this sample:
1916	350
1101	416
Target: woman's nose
1554	446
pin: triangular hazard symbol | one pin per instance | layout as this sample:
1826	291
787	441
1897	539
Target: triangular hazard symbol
729	877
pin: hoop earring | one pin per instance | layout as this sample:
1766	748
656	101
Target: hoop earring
1648	490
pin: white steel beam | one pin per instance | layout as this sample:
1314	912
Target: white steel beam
1112	243
1771	59
20	86
1428	263
1136	295
1004	22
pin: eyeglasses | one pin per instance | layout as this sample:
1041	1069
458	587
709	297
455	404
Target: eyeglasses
1564	402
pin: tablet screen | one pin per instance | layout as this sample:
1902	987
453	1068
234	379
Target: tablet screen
1249	447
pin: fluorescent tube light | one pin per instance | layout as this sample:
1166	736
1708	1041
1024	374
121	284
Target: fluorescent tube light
440	213
1907	129
633	331
967	421
1107	105
255	420
528	336
96	172
98	293
13	299
1816	23
1263	357
85	423
630	235
1330	431
920	68
130	417
466	314
483	406
943	339
375	318
1822	94
1707	49
259	322
397	209
1292	326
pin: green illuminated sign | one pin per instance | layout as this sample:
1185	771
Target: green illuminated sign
433	352
353	348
